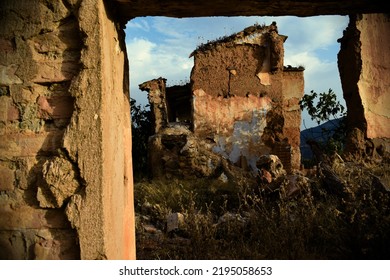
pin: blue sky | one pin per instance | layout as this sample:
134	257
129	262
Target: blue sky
160	47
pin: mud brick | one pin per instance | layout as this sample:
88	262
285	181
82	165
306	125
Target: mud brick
26	217
30	144
58	107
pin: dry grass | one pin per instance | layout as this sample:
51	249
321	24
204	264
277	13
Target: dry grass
312	225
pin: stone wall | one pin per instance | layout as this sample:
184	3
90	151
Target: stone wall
40	51
65	156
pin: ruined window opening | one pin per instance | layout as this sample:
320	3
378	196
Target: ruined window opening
179	104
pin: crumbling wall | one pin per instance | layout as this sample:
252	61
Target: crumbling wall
374	84
250	108
293	89
241	64
40	50
62	147
364	66
234	124
245	100
157	99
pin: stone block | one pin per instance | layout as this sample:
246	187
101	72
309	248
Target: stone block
40	244
7	179
24	95
3	108
13	113
58	184
8	111
8	76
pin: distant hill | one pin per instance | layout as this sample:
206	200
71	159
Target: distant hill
320	133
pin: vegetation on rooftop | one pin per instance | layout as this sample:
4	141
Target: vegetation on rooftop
211	44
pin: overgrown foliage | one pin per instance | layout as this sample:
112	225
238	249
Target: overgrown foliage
141	125
312	225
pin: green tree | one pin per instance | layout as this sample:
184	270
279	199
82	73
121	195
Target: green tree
141	126
325	107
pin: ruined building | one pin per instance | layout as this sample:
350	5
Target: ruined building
242	103
66	185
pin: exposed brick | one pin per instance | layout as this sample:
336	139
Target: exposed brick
8	76
58	107
8	112
3	108
12	113
7	178
56	71
30	144
26	217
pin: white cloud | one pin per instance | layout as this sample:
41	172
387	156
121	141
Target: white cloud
149	61
139	24
311	33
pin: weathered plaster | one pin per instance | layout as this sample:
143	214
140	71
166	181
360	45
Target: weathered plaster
374	84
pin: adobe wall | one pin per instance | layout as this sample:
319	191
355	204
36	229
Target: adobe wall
253	111
374	80
65	156
245	60
364	70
